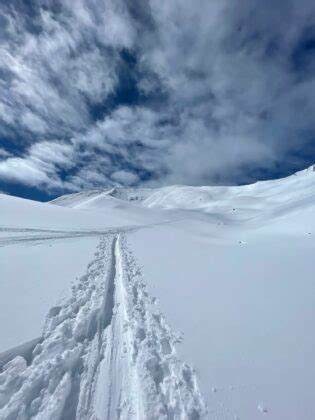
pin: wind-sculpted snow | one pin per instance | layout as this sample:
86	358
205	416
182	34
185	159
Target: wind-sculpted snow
105	353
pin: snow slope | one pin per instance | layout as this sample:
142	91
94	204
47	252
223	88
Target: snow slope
262	200
197	303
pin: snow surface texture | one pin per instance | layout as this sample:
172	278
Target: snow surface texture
219	325
105	353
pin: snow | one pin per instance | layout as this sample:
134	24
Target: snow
246	312
96	349
177	302
33	278
108	213
260	201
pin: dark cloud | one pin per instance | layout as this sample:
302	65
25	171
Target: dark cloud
160	91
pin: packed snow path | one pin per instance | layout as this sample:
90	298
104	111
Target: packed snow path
105	353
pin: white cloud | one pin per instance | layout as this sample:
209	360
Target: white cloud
23	171
39	167
55	153
6	114
4	153
33	122
53	72
125	177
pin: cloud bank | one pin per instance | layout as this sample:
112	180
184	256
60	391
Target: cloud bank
128	92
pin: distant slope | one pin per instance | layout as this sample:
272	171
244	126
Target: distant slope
70	213
95	198
266	198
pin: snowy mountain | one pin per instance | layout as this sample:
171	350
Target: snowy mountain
169	303
262	200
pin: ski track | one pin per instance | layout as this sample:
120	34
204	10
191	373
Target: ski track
41	235
37	236
105	353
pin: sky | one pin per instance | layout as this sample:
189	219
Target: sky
98	93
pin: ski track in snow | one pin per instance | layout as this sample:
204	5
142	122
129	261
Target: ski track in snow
32	235
105	353
40	235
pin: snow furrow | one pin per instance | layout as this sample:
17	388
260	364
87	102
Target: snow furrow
105	353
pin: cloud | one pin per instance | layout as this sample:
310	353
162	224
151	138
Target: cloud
4	153
33	123
161	91
54	72
40	166
23	171
125	177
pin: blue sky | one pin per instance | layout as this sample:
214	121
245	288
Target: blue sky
95	93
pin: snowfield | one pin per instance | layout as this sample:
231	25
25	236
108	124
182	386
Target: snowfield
170	303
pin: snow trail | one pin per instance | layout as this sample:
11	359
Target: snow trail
105	353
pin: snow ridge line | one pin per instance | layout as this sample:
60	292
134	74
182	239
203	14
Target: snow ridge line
106	353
